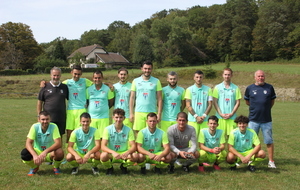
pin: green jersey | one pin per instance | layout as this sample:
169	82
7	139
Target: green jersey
118	141
152	142
172	98
84	141
98	101
122	96
243	142
77	94
211	141
227	98
42	140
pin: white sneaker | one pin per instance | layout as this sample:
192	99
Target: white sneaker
271	164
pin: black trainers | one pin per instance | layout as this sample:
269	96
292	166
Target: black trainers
251	168
143	170
233	168
171	169
186	168
95	170
110	171
74	171
157	170
123	169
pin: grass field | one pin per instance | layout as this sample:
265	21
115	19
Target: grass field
18	108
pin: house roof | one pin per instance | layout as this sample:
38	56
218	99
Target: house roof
86	50
111	57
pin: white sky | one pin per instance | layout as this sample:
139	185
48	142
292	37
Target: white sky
49	19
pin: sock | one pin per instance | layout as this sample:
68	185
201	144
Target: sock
142	164
30	163
95	163
128	163
56	163
74	163
107	164
256	161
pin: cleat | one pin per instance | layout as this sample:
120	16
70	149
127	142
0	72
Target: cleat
95	170
233	168
56	171
74	171
201	169
186	168
216	167
206	164
271	164
157	170
123	169
171	169
143	170
33	171
251	168
110	171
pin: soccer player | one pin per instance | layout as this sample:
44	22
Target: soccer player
212	144
43	144
244	145
99	100
146	95
183	142
77	98
173	101
226	97
118	144
198	102
153	145
87	148
52	98
122	94
260	97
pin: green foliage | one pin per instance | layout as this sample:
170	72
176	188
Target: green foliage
142	49
59	52
11	72
209	72
43	61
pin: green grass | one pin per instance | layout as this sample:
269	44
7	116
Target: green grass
19	114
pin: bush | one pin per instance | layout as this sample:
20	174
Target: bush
11	72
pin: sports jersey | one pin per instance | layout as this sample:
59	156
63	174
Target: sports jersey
98	101
42	140
84	141
122	96
172	98
243	142
118	141
199	98
260	98
182	140
146	100
77	94
226	98
211	141
152	142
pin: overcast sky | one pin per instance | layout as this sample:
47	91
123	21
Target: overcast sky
49	19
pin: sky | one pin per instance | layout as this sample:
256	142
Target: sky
49	19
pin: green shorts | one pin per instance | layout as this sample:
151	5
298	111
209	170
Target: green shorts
140	120
127	122
47	159
73	119
164	125
82	155
245	154
100	124
227	125
198	126
212	158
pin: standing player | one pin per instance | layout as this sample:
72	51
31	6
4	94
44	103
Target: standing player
146	95
173	101
52	98
118	144
260	97
43	144
212	144
198	102
183	142
77	98
153	145
122	94
87	140
226	101
244	145
100	99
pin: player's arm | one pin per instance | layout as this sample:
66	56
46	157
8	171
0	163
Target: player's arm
73	152
164	153
39	106
131	105
253	152
193	143
159	104
95	149
235	108
272	103
182	105
29	147
209	107
141	150
104	148
235	152
216	105
131	150
55	146
247	102
171	143
192	111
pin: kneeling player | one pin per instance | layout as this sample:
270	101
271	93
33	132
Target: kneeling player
43	144
244	145
87	140
118	144
212	144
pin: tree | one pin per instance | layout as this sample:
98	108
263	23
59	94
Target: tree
114	26
59	52
101	37
18	37
142	49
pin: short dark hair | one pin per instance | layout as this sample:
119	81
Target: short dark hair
85	115
183	115
122	69
151	114
147	62
119	111
241	119
199	72
97	72
77	67
44	113
214	118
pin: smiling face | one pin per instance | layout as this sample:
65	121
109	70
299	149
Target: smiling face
181	123
259	77
122	75
85	123
198	79
172	80
152	122
242	126
76	74
44	120
212	125
118	119
97	78
55	76
146	69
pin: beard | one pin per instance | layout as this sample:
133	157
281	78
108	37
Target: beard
174	84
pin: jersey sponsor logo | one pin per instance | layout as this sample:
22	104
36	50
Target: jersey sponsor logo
122	101
145	94
85	150
254	92
43	147
61	91
117	147
50	90
123	135
173	105
97	103
199	104
227	100
103	92
151	150
156	139
265	92
75	95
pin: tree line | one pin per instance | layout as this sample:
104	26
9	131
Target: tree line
239	30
